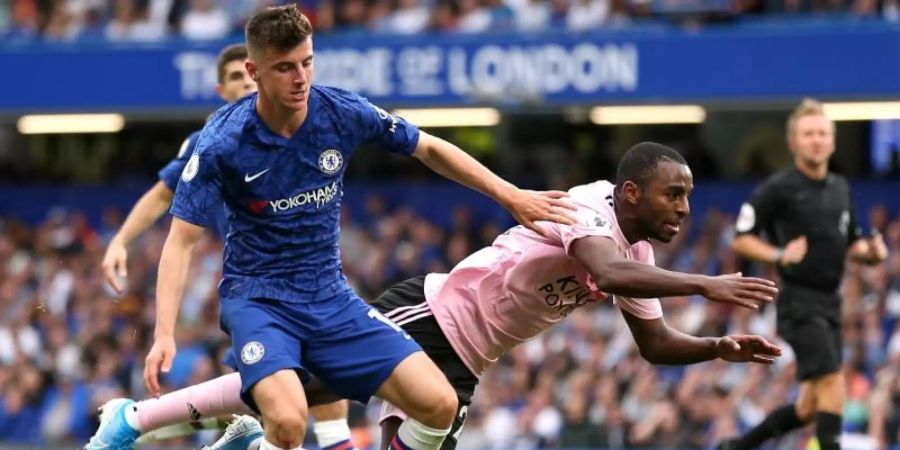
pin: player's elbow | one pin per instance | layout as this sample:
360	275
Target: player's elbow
607	285
650	352
426	148
656	346
183	234
604	282
610	278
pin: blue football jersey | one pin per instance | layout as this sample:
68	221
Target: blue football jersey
171	172
282	196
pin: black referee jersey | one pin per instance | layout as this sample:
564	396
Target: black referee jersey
788	205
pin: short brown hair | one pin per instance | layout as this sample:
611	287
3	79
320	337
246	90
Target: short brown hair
280	28
808	107
236	52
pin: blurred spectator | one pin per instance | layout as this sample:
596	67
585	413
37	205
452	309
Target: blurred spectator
473	17
891	12
62	24
205	21
411	16
350	15
22	20
585	15
445	16
532	15
379	17
502	16
124	21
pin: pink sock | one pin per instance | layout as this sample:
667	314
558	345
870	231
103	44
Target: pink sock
213	398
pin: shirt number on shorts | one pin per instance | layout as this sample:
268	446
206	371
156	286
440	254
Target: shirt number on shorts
380	317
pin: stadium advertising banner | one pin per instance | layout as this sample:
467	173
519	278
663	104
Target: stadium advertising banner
501	70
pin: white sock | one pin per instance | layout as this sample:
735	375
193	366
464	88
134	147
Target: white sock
266	445
330	432
131	417
417	436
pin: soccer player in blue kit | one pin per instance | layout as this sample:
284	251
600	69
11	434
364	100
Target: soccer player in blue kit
123	420
276	160
233	83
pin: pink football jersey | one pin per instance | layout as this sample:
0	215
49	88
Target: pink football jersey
523	283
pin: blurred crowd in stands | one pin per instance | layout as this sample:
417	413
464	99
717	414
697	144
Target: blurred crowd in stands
156	20
68	344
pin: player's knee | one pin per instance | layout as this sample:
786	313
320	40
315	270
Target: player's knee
829	385
288	425
806	411
830	393
443	409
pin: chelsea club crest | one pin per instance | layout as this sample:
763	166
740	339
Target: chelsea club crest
330	161
252	352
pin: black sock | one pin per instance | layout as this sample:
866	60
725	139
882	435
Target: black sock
828	429
780	421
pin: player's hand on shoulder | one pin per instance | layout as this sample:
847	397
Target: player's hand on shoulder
528	207
159	359
794	252
747	348
114	265
736	289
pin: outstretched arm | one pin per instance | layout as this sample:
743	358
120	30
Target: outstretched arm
527	207
173	271
660	344
145	212
617	275
754	247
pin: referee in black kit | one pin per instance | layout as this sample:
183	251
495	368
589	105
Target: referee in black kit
808	216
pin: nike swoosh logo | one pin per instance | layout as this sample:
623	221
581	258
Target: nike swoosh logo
248	178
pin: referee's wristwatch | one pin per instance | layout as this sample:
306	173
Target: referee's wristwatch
779	253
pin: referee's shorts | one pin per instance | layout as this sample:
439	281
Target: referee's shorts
809	320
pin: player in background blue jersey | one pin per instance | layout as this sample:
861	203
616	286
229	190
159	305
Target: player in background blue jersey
276	160
233	83
122	420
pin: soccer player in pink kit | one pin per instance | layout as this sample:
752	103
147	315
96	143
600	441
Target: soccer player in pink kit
524	283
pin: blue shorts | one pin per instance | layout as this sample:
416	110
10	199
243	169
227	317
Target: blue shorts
228	359
347	344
